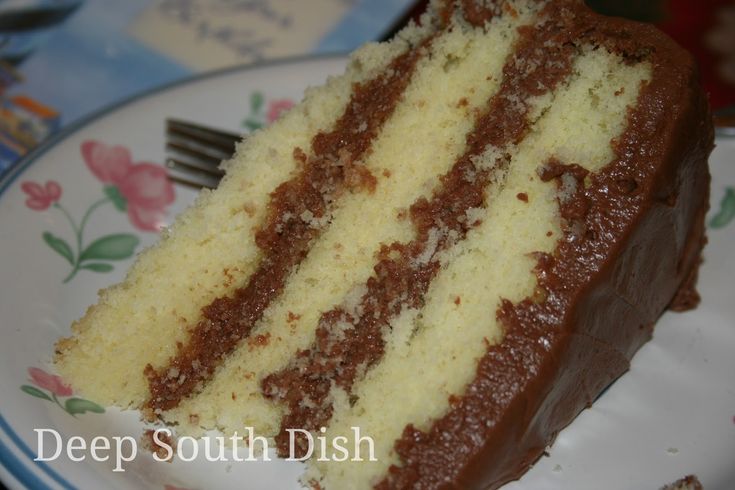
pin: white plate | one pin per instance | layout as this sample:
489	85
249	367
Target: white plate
671	415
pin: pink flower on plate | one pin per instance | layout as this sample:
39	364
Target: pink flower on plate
278	107
41	197
144	186
51	382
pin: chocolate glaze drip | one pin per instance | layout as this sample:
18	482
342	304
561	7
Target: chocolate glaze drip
297	213
640	242
401	278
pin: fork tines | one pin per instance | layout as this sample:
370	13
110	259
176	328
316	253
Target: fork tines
195	152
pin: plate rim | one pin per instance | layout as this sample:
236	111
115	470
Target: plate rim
9	461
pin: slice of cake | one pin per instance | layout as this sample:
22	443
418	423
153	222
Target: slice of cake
454	248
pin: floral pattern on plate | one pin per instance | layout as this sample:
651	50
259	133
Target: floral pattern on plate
50	387
140	189
260	116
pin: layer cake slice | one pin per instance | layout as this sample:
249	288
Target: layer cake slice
455	246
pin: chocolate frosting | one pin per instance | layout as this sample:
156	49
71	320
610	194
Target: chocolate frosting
632	251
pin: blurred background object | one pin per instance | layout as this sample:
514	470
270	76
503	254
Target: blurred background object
24	27
26	24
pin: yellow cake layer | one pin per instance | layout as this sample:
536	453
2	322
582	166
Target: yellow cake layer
421	142
208	251
433	353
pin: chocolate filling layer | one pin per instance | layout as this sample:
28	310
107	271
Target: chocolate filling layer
298	211
348	342
633	239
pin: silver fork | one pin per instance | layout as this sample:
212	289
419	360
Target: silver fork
194	152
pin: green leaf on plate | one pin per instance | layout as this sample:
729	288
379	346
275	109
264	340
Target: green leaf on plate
256	102
111	247
98	267
33	391
252	125
59	246
80	405
727	210
121	204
